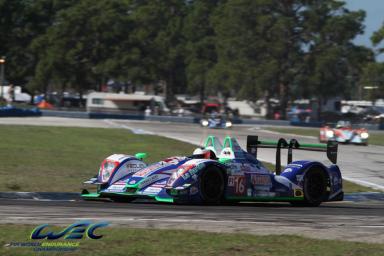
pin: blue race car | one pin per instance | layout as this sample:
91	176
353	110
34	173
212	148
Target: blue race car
214	174
216	122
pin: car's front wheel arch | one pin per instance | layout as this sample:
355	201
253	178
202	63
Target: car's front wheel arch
212	184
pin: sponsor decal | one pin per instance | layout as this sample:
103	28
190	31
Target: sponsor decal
298	192
300	179
191	172
44	239
295	165
193	190
151	180
261	180
147	170
116	188
245	168
262	193
152	190
288	170
160	184
74	231
231	181
130	165
236	169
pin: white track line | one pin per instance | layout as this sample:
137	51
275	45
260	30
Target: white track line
365	183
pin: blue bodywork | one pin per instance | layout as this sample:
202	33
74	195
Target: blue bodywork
178	179
10	111
216	123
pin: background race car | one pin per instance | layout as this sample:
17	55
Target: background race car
216	121
344	133
216	173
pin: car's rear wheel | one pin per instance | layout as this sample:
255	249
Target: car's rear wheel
315	188
212	185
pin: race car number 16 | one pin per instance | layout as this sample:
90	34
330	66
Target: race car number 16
239	185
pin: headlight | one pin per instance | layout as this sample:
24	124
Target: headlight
204	123
106	170
329	133
228	124
364	135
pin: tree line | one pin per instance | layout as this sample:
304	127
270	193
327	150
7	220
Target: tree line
250	49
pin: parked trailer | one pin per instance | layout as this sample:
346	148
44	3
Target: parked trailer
125	103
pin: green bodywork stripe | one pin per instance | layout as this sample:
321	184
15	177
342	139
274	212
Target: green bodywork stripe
228	138
224	160
302	145
211	139
91	195
265	198
135	185
313	145
268	142
165	200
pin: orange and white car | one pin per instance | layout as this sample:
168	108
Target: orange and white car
344	133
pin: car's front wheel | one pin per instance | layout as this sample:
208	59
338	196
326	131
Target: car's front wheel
212	185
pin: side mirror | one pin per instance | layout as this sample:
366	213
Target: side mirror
224	160
141	156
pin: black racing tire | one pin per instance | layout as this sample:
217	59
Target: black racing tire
212	185
315	188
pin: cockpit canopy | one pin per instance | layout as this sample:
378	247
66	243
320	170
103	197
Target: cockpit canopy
343	124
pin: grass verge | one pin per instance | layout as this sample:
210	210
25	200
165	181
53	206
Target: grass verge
59	159
126	241
375	138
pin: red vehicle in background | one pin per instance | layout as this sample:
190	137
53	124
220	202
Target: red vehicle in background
209	108
344	133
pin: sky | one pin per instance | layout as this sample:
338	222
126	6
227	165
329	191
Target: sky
373	21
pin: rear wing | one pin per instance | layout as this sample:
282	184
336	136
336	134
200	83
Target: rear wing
253	143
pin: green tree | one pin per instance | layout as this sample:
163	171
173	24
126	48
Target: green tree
81	48
259	47
200	50
21	22
332	60
158	31
373	73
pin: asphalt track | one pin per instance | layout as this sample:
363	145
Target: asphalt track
343	221
362	221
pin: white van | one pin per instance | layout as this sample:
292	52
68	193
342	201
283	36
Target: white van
125	103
